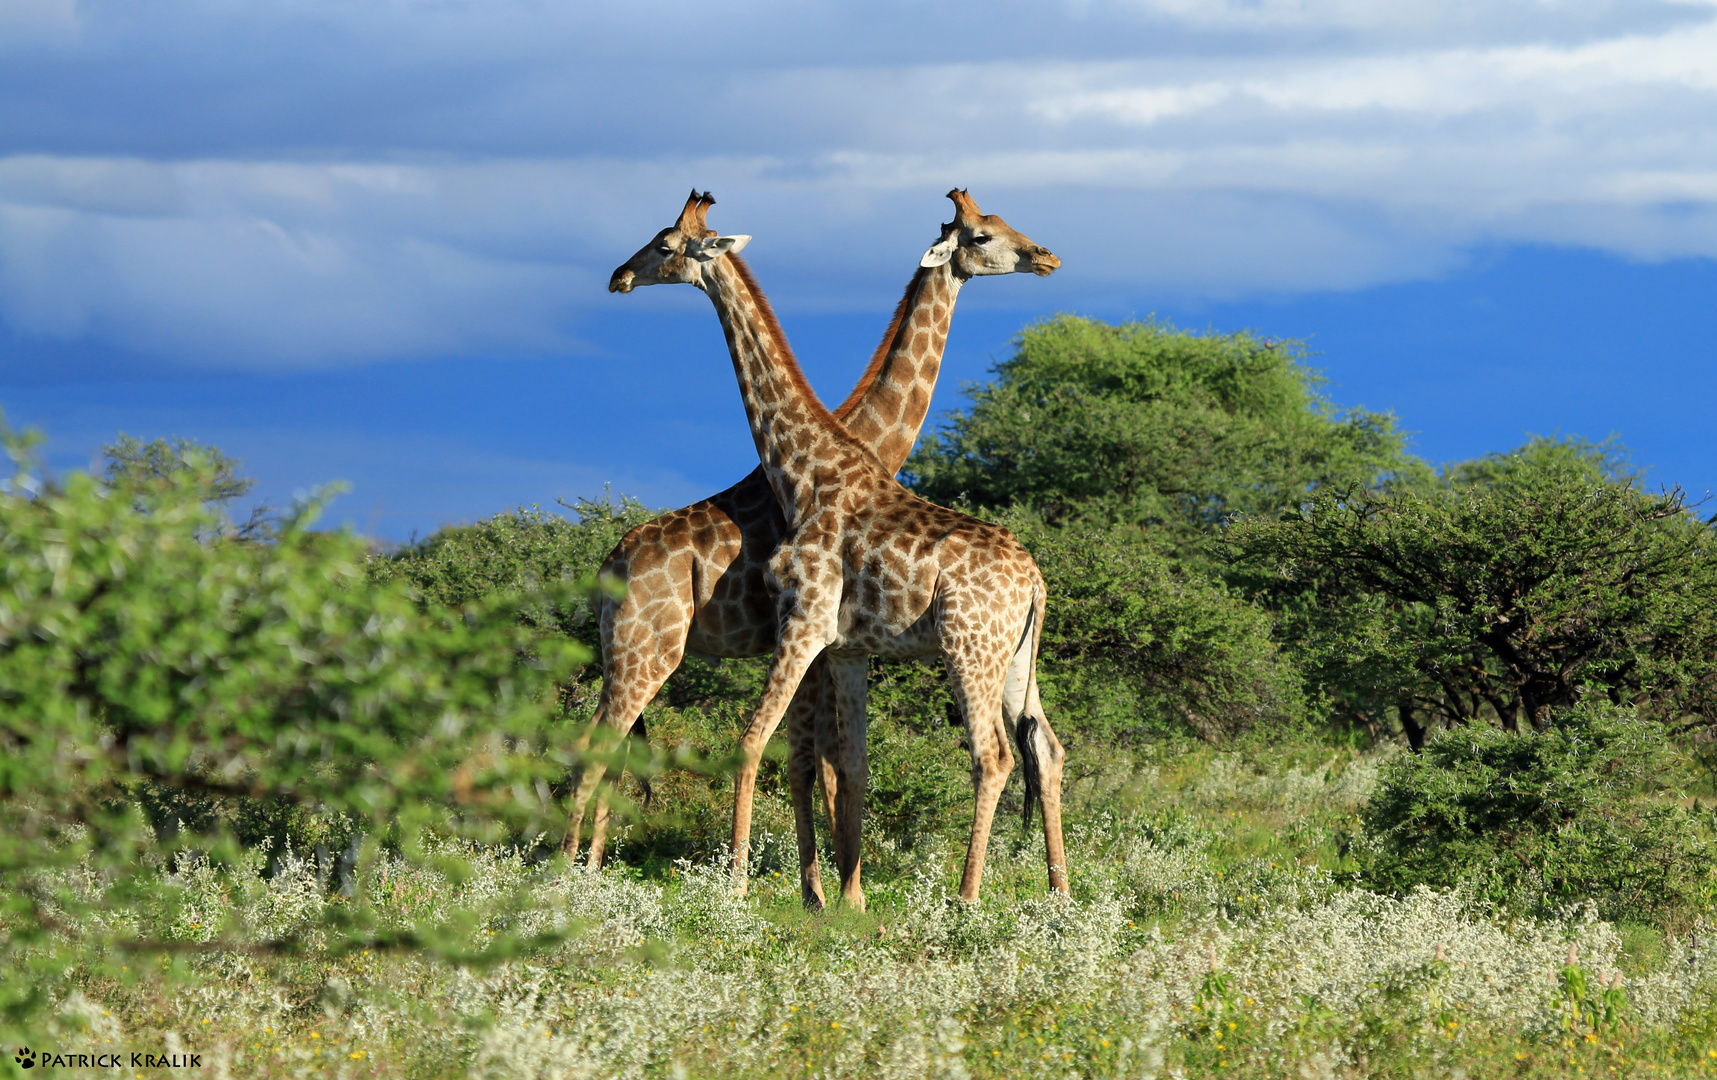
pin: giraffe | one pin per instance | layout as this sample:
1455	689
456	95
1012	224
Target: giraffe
867	568
695	577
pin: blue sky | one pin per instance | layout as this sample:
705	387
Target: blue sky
368	240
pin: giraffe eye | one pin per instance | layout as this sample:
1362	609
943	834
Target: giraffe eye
664	249
982	239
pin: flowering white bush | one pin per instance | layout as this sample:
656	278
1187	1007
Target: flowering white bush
1275	965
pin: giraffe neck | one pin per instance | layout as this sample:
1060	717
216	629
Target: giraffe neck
794	433
888	407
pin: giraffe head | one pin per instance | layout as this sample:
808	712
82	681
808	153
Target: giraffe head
979	244
677	254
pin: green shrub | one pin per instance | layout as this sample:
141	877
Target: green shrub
1539	820
920	768
1134	643
523	551
166	687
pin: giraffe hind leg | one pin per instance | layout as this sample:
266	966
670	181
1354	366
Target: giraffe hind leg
977	682
804	762
1041	754
630	685
849	675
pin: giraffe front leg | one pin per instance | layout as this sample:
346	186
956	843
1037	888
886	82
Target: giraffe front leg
852	764
810	700
800	644
827	753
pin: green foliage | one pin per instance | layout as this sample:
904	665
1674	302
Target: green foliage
1499	592
1134	644
920	771
1588	1005
524	551
1542	819
189	709
163	465
1146	425
151	662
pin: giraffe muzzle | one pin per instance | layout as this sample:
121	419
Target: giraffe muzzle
1044	263
621	282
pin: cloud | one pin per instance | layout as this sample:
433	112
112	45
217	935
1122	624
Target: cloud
301	184
34	23
266	265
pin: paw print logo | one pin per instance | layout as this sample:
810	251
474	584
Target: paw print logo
25	1057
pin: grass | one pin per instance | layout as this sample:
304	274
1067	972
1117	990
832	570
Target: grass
1210	934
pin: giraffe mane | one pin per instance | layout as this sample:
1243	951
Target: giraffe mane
883	348
767	313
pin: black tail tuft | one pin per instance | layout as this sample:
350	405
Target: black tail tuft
643	738
1032	767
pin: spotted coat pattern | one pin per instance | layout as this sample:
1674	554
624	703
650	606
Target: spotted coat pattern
866	567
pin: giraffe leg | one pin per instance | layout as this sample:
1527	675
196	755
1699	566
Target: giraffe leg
589	775
828	751
801	642
977	685
599	831
803	764
1047	758
848	673
600	821
1041	753
634	673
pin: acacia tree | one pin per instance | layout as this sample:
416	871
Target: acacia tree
188	468
1506	590
1143	645
1145	425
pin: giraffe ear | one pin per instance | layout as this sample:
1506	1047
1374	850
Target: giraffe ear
722	245
941	251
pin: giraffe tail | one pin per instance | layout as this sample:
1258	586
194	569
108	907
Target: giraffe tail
643	737
1023	737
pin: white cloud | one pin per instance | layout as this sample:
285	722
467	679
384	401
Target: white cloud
1649	188
1142	106
273	264
27	23
303	184
1368	16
